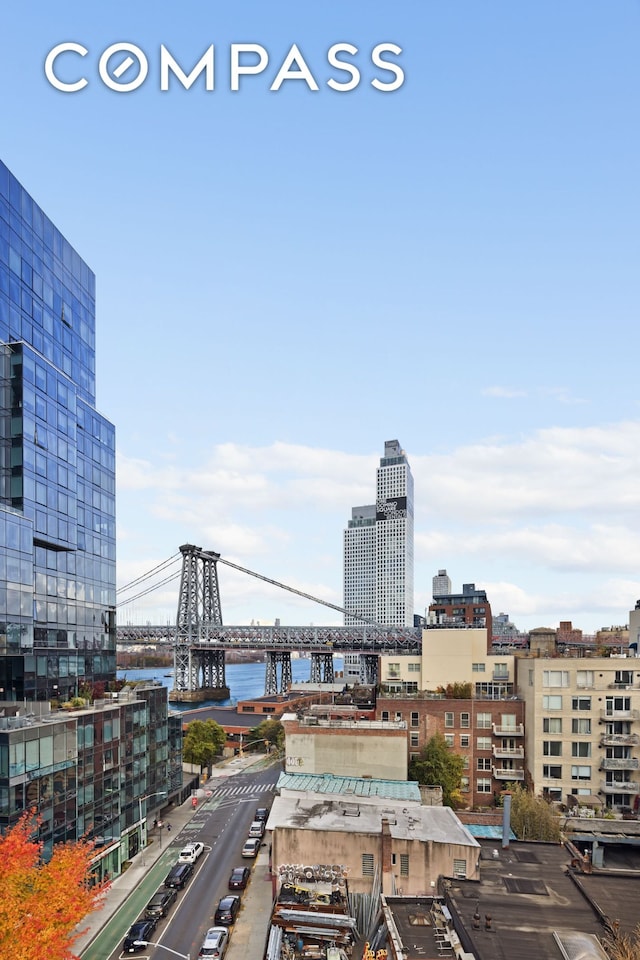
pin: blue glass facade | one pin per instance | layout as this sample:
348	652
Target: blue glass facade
57	465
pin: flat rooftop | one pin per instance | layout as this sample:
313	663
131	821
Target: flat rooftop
527	892
360	815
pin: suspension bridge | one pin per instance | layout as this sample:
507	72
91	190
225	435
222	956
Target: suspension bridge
200	640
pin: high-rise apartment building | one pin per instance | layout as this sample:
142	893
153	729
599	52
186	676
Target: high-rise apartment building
57	464
86	760
378	547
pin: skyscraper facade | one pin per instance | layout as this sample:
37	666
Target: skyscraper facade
441	584
378	548
86	759
57	464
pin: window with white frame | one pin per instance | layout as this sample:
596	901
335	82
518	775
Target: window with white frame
580	773
413	667
483	743
483	763
552	748
449	739
483	721
581	725
552	771
483	785
465	720
581	703
555	678
552	724
584	679
500	671
415	740
415	719
464	784
448	719
552	701
465	740
581	749
478	667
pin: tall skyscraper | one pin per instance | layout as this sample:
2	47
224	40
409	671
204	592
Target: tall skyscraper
441	584
57	464
378	547
87	761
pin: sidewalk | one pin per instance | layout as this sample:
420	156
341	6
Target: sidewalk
142	863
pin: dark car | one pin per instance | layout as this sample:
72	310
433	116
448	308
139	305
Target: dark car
262	813
239	878
159	904
227	911
178	875
141	931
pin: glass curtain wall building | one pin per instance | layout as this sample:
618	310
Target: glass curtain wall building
57	465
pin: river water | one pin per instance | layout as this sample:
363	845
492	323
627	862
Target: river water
245	680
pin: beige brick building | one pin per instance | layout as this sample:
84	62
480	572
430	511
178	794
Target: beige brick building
582	722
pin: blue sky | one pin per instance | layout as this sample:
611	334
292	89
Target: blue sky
288	279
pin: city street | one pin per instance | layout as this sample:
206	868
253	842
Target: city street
221	823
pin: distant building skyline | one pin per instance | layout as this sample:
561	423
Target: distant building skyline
378	547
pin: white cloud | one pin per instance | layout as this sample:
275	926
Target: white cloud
549	511
503	393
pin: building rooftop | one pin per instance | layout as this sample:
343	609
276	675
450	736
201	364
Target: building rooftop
327	783
529	893
359	815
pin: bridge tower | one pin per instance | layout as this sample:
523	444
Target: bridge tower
275	659
199	664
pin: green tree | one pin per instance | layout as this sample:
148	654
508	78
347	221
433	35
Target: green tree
438	764
270	732
203	742
532	818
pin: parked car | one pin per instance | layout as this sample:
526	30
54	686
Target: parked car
227	911
159	904
179	874
191	852
251	847
239	878
214	945
257	829
262	813
139	933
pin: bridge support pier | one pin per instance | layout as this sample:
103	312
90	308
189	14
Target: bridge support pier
275	659
369	668
322	667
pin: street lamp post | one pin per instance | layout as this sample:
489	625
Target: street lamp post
158	793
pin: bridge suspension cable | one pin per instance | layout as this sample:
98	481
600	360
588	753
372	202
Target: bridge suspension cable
284	586
149	573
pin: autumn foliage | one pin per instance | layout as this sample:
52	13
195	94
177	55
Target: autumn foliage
42	903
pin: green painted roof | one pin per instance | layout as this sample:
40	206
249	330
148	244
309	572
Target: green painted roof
350	786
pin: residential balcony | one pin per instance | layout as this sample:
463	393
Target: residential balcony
500	773
508	753
619	763
632	685
619	714
621	786
619	740
515	731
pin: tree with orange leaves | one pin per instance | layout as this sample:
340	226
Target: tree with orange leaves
42	903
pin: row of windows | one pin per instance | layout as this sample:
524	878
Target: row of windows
584	678
613	704
579	725
554	772
553	748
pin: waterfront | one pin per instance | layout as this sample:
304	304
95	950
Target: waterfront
245	680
